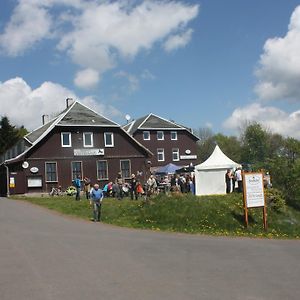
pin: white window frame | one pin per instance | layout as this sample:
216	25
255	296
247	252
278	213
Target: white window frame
51	162
176	152
112	139
162	135
98	178
148	132
161	151
129	167
92	140
62	139
81	168
176	138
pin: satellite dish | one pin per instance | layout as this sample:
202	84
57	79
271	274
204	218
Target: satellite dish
127	117
25	165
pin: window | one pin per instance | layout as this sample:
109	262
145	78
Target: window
51	171
160	135
174	135
160	154
66	139
88	139
175	154
125	168
146	135
102	172
76	169
108	139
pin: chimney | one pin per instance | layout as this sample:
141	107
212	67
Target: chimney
45	119
69	102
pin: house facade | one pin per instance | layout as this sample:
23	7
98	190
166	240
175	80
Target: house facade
169	142
78	142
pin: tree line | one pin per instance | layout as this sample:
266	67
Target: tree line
258	148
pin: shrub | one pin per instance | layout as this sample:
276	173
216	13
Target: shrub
275	199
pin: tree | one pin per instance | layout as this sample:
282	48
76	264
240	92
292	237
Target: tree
9	134
230	145
254	144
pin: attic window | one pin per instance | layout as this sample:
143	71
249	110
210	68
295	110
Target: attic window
160	135
146	135
88	139
66	139
108	139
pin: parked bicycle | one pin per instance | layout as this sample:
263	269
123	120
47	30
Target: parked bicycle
56	191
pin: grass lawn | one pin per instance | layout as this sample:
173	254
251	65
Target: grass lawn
214	215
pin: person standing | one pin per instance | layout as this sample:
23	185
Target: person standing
228	177
239	179
133	186
87	187
96	202
77	184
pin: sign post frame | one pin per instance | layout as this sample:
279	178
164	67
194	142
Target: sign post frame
254	195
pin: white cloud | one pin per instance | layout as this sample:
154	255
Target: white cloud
179	40
17	96
133	80
270	117
29	24
87	78
279	65
97	34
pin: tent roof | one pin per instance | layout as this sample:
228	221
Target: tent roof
217	160
167	169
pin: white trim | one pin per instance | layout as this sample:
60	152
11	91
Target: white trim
176	138
144	131
162	150
62	140
92	140
98	169
112	139
129	167
162	135
175	150
51	162
81	168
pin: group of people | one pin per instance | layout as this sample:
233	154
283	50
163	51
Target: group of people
133	188
231	178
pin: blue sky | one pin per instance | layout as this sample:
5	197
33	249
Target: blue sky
210	63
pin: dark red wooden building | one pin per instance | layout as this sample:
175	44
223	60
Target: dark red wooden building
169	142
78	141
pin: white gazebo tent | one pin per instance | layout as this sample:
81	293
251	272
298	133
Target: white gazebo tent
210	175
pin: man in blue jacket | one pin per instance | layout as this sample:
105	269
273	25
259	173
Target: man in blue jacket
96	201
77	184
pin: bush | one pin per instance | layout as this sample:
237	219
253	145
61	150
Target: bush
275	200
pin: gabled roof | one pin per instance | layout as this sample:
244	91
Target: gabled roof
77	115
217	160
153	122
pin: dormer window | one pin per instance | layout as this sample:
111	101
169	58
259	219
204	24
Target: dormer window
174	135
160	135
146	135
88	139
66	139
108	139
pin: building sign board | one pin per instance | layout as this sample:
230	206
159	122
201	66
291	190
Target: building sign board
88	152
188	156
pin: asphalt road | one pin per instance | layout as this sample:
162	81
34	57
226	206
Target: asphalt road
44	255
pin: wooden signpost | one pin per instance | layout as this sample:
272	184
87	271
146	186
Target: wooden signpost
254	196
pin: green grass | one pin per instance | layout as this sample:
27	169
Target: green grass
213	215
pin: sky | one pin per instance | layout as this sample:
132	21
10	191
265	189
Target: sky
217	64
